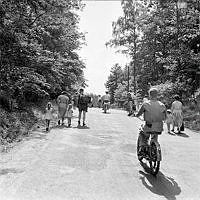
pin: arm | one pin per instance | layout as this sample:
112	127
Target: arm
141	111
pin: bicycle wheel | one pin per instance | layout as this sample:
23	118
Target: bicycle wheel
154	161
138	149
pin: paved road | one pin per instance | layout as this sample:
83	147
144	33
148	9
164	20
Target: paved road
99	163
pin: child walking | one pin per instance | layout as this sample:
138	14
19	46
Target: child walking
69	114
48	115
169	120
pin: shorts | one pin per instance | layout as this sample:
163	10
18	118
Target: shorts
83	107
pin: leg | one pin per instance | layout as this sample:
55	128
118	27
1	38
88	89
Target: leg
84	117
69	121
79	117
168	127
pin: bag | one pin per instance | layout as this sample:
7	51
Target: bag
182	128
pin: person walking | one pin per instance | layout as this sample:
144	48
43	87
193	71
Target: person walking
177	116
48	115
83	101
69	114
62	101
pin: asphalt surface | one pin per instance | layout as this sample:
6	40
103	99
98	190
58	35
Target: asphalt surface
99	162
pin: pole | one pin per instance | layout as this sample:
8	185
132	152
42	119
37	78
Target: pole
128	78
134	66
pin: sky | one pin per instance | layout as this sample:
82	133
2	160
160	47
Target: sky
96	19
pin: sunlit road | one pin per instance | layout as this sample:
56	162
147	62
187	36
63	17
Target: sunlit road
99	163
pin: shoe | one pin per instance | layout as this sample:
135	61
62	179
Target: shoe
47	129
58	122
84	124
79	123
172	130
69	125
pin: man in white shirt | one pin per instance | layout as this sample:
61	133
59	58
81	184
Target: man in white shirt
154	113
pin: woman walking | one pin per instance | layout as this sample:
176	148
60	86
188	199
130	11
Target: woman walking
177	113
63	102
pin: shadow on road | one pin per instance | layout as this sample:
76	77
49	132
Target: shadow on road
10	170
82	127
161	185
182	135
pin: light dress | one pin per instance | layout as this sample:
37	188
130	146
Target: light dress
169	119
177	113
49	114
69	113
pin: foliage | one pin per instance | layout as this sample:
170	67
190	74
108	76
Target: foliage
38	43
163	43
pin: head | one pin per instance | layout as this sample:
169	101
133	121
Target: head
169	111
153	93
81	91
69	106
106	92
177	97
49	105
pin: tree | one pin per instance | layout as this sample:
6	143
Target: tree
38	43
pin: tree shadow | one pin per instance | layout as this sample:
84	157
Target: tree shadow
161	185
10	170
37	135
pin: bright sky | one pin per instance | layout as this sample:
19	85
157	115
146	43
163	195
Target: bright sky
96	20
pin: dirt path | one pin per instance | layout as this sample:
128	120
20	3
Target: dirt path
99	162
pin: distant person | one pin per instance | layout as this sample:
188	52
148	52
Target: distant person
48	115
169	120
69	114
99	101
83	102
176	109
62	101
130	103
106	98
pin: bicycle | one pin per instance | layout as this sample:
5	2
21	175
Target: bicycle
151	153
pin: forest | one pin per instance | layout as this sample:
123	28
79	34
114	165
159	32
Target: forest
162	40
39	40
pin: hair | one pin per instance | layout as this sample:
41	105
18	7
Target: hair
81	90
64	92
169	111
106	92
177	97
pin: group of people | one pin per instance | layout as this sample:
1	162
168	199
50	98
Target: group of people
155	113
65	104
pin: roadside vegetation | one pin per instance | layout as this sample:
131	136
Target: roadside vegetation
163	42
39	40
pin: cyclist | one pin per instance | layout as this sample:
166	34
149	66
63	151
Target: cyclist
105	98
154	113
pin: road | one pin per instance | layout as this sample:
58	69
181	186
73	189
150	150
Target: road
99	162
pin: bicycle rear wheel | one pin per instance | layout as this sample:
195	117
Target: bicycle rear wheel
154	161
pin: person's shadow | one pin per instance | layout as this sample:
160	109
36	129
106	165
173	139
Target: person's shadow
182	135
161	185
82	127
